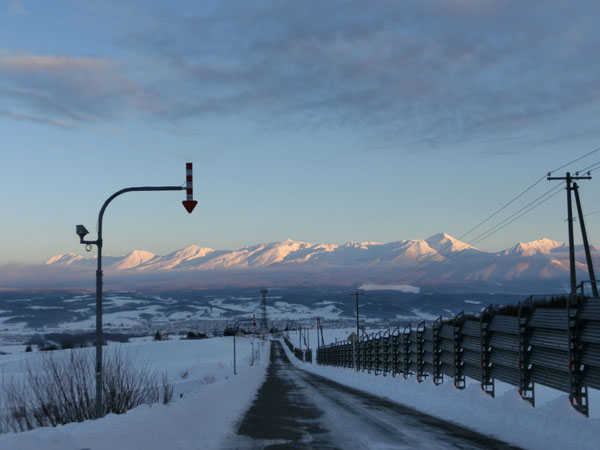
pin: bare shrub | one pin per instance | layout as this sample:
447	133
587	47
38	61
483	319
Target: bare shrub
167	390
128	383
61	389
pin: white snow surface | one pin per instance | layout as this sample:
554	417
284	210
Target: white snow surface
208	400
214	401
391	287
554	424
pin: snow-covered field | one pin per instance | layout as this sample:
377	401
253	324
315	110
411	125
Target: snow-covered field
208	399
209	402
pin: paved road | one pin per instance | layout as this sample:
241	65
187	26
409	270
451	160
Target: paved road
295	409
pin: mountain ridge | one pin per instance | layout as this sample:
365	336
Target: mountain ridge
538	259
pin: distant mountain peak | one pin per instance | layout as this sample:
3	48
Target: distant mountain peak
134	259
442	242
64	259
543	246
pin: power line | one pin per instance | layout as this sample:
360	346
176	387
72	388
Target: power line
501	225
589	167
449	246
485	235
457	252
576	159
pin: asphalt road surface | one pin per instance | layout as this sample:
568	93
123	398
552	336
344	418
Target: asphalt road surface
295	409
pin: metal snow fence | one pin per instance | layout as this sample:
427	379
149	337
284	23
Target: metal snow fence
302	354
557	347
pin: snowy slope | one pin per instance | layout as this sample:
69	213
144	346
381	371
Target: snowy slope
208	401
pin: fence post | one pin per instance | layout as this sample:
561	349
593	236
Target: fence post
578	394
438	377
406	344
526	386
368	352
487	381
386	351
377	353
421	375
359	354
459	378
395	352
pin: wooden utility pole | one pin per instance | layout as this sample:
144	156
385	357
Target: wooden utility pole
573	187
357	294
586	244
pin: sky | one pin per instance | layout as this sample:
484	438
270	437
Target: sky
324	122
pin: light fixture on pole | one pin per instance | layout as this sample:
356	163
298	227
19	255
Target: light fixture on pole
81	231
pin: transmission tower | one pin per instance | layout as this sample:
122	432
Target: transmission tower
264	328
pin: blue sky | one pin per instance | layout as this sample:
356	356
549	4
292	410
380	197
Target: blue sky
317	121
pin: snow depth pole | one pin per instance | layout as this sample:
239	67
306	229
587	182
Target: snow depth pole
189	203
81	231
235	331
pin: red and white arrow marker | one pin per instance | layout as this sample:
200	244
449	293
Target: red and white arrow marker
189	203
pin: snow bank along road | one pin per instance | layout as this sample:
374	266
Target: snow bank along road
298	409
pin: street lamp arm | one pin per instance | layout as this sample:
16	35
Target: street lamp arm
123	191
81	231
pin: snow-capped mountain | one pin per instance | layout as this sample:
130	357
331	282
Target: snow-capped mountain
541	246
439	257
285	253
64	260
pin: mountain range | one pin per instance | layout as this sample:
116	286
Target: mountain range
438	258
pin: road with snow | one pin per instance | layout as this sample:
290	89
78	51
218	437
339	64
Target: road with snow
298	409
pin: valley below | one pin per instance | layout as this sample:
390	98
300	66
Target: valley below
43	317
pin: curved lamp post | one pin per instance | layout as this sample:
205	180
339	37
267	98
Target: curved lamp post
81	231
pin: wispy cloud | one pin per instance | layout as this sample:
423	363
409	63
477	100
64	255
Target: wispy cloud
16	7
423	72
60	90
426	71
37	119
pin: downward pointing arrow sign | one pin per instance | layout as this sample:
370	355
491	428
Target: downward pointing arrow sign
189	205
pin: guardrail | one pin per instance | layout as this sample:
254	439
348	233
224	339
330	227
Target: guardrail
554	346
302	354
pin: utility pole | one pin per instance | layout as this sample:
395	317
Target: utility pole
573	187
357	294
264	327
320	330
586	244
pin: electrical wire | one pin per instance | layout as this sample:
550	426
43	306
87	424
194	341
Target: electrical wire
450	256
501	225
576	159
589	167
489	231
